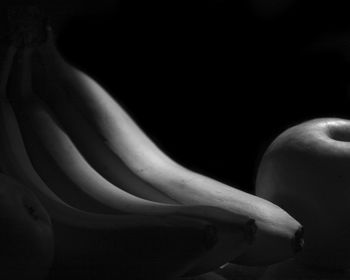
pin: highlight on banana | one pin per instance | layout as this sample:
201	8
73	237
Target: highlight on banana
119	207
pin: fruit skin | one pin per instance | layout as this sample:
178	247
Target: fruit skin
305	170
101	158
26	236
275	238
234	234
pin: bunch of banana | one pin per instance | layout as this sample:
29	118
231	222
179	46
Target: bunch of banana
156	247
128	159
111	192
120	244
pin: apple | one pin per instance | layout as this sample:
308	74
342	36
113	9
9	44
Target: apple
306	171
26	236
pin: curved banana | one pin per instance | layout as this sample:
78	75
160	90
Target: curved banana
108	164
279	235
235	233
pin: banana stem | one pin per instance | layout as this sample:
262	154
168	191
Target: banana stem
26	25
6	69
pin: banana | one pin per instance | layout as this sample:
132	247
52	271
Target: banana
42	134
279	235
99	156
98	246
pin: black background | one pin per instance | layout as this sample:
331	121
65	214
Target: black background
212	82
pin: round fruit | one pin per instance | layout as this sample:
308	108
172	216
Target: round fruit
306	171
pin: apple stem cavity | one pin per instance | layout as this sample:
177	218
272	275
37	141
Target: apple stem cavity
339	133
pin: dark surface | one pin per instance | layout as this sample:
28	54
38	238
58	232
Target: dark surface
212	82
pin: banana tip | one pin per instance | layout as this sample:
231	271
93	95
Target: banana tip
298	240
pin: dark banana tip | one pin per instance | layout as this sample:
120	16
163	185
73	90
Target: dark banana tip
211	237
250	230
298	240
